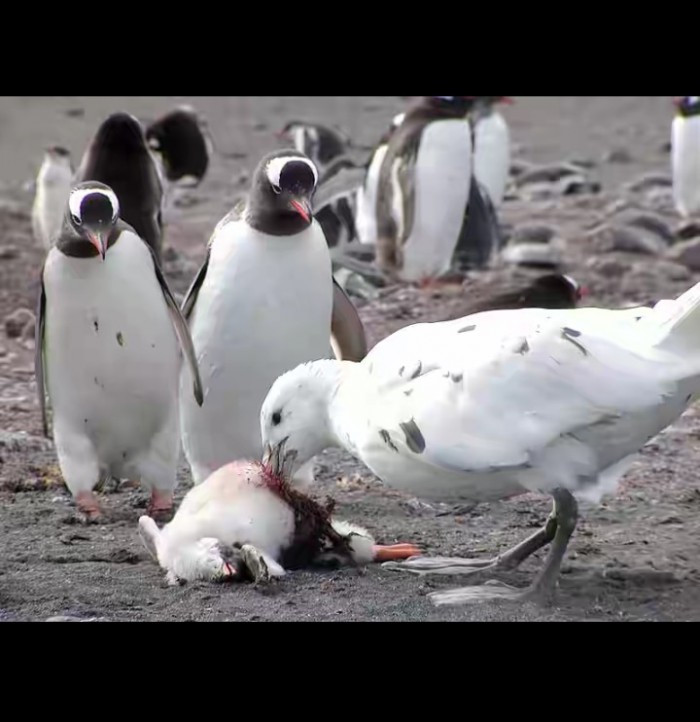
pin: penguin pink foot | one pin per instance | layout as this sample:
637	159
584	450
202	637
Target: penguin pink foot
88	507
160	507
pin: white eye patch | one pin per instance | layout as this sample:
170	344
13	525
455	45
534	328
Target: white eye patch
77	197
276	166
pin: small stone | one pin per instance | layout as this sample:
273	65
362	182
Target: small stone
533	234
586	163
608	238
618	155
16	322
75	112
540	255
8	253
21	441
608	267
548	173
687	253
518	167
665	147
670	269
687	230
650	222
649	181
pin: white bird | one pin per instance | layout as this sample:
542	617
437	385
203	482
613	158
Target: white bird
685	155
53	186
242	522
107	340
263	302
497	404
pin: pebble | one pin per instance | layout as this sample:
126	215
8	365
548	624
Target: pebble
8	253
607	238
651	222
687	230
686	253
21	441
533	254
548	173
618	155
16	322
608	267
533	234
649	181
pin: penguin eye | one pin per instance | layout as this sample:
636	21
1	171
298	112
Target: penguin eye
276	418
275	188
76	219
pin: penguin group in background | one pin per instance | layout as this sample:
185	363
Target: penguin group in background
181	141
263	301
423	190
685	155
317	142
53	185
119	157
107	352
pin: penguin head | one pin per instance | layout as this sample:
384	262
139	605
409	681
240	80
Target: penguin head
687	105
563	287
121	132
283	186
460	103
93	211
58	155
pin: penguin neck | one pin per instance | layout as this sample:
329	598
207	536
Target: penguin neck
71	244
274	223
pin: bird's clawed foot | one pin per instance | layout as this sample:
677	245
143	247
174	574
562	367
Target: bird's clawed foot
382	553
89	511
491	591
160	507
440	565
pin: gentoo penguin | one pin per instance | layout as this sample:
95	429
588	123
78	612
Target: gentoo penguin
244	522
107	336
53	184
491	147
119	157
553	290
366	202
495	405
183	144
318	142
263	301
685	155
423	190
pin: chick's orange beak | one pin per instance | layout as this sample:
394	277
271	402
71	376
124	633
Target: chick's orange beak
98	240
395	552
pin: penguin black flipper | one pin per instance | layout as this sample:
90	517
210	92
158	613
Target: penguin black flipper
192	292
347	330
39	353
182	329
480	236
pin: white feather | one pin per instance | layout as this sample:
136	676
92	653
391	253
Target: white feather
276	165
264	306
112	367
492	155
685	162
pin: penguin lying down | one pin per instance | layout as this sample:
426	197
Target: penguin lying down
243	522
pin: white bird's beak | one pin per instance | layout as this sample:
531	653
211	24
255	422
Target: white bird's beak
278	461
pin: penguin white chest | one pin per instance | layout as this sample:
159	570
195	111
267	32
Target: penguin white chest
492	155
685	160
442	180
52	191
264	307
112	359
366	215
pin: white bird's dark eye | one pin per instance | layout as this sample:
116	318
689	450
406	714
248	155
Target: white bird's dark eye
76	220
275	188
276	418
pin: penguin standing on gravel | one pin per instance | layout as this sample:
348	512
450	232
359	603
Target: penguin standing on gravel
53	184
685	155
263	301
119	157
423	189
107	353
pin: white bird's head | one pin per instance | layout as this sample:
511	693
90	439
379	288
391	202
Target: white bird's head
294	419
93	210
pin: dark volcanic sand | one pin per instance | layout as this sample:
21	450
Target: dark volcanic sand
635	557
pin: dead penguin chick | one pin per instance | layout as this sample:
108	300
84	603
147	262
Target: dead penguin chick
245	522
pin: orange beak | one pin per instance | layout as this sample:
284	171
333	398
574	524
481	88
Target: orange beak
98	240
303	208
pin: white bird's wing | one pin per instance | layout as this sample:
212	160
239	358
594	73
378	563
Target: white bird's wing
493	390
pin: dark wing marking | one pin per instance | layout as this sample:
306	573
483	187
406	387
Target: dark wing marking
480	236
193	290
181	329
346	327
39	353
